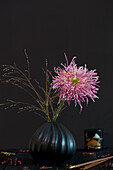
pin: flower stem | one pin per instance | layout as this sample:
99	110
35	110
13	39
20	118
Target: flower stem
58	110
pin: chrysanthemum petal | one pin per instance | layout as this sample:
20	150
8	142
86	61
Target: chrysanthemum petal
74	83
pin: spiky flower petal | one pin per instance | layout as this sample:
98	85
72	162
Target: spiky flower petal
74	83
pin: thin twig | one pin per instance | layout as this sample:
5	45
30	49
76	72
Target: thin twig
46	94
21	87
26	82
16	80
29	106
52	108
41	116
50	73
28	65
54	97
40	86
32	87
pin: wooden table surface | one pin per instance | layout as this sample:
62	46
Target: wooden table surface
20	159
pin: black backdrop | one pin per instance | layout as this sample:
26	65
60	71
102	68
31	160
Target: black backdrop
47	29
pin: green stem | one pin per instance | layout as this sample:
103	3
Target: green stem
58	110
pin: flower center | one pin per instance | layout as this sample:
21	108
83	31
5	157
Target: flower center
74	80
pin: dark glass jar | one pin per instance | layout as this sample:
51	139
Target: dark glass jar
93	139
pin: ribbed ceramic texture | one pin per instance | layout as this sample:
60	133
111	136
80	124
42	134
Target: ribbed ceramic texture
52	143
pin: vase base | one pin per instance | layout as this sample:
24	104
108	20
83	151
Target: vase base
50	160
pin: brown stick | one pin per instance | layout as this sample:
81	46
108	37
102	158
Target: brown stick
91	162
95	164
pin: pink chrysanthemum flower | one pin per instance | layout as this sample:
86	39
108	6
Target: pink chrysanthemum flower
74	83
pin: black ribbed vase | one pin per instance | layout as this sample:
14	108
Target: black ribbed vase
52	143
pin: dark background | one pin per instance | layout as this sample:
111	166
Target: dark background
47	29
